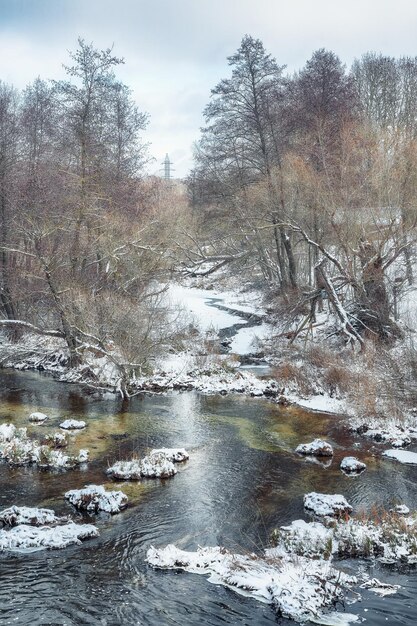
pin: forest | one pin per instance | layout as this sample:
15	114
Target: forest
303	187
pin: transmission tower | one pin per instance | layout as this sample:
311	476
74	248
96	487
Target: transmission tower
167	167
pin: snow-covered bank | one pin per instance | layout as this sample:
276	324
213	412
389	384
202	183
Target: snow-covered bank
309	375
32	516
27	529
28	538
391	539
297	588
298	575
326	505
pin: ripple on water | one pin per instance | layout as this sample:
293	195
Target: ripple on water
243	480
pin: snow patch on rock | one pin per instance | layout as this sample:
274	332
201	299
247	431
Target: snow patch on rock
157	465
391	539
175	455
25	538
32	516
322	504
72	424
352	465
37	417
318	447
94	498
125	470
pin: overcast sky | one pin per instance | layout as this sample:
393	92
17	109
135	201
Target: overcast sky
175	50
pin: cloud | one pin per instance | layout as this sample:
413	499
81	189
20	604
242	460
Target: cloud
176	51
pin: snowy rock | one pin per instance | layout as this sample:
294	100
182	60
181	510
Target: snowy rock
318	447
23	538
288	584
94	498
125	470
83	456
72	425
157	465
16	515
322	504
7	432
403	456
402	509
37	418
176	455
352	465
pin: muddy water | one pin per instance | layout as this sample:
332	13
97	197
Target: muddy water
242	480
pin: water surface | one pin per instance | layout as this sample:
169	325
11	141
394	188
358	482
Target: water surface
242	480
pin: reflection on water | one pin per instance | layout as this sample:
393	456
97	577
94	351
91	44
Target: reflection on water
241	481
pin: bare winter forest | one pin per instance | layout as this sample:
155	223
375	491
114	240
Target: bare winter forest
304	188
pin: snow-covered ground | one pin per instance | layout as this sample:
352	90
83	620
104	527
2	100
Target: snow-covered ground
290	584
196	303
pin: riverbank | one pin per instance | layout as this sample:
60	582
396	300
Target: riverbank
229	329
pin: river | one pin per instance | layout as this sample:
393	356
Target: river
241	481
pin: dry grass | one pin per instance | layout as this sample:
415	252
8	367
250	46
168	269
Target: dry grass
287	374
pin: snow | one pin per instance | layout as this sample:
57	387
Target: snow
20	450
28	538
318	447
391	539
403	456
16	515
37	417
352	465
247	339
308	539
289	585
402	509
196	302
8	432
382	589
398	432
175	455
57	440
323	504
94	498
17	449
322	403
125	470
157	465
72	424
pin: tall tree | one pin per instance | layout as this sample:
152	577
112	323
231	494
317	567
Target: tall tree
242	143
9	154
